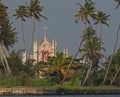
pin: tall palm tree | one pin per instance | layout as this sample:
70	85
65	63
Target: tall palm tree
115	45
22	13
7	40
87	10
35	11
115	67
7	36
101	18
3	20
91	52
3	16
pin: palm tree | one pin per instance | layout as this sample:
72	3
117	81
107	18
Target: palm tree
86	11
91	52
35	11
15	62
3	16
21	13
58	66
7	36
118	3
3	13
115	45
7	40
115	67
101	18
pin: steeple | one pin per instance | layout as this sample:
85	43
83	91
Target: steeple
54	45
45	28
65	51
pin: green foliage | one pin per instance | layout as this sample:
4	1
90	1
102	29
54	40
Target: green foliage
87	10
15	62
10	81
101	18
21	12
23	80
35	9
57	67
41	83
7	32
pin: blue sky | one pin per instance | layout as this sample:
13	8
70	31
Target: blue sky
61	23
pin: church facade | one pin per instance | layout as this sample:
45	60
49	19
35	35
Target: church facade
45	48
42	50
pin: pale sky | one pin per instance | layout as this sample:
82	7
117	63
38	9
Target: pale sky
61	23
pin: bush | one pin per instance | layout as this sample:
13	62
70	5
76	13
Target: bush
10	81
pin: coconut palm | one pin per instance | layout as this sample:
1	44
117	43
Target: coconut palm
58	65
35	11
86	11
3	14
7	36
91	52
22	13
15	62
115	45
7	40
101	18
115	67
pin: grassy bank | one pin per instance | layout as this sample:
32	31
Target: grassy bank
42	83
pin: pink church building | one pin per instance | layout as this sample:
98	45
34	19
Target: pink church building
44	49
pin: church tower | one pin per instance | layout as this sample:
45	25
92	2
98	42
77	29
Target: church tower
54	47
24	55
46	48
65	51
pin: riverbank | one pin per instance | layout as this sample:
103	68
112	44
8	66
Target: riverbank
21	90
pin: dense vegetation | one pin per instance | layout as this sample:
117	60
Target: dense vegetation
92	68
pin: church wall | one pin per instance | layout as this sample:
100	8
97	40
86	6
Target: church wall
44	50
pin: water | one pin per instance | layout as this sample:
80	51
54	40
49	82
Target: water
67	96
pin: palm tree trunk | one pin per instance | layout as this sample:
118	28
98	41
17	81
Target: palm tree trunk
23	37
5	60
114	77
100	32
33	32
115	45
7	65
88	72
